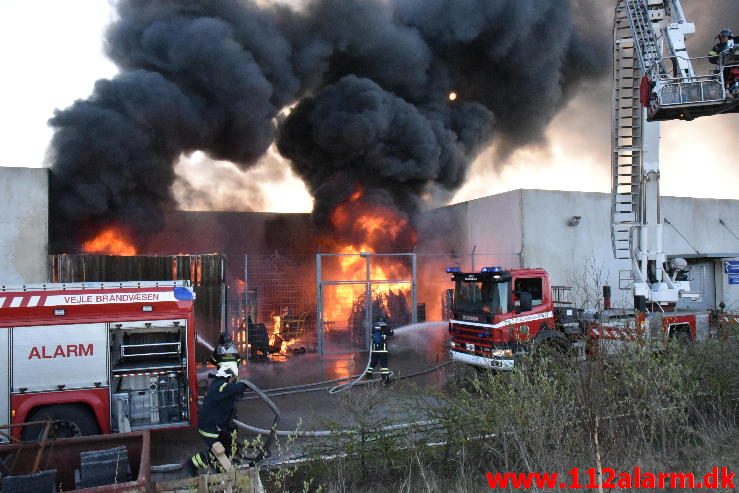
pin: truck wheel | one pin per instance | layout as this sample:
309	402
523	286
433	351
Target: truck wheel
70	420
552	344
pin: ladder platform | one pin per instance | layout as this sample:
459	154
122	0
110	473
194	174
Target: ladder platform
691	111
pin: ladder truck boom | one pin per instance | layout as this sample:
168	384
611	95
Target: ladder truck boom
654	79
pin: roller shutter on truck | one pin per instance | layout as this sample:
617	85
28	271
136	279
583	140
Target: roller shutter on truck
56	357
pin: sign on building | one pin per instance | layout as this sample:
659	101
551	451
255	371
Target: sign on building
731	267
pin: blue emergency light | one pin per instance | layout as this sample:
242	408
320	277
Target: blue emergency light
452	270
497	268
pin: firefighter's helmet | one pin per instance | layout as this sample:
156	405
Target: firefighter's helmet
227	369
725	32
226	352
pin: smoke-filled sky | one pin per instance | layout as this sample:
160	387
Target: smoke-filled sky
365	85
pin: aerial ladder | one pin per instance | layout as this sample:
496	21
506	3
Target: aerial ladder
654	80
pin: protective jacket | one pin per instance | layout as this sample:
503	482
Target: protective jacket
718	48
380	334
218	406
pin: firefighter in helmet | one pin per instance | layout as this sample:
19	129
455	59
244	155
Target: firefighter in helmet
378	349
225	351
217	411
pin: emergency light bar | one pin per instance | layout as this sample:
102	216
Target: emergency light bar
497	268
452	270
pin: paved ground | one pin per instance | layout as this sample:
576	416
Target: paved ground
413	349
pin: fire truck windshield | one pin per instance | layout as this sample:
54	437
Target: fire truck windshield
482	296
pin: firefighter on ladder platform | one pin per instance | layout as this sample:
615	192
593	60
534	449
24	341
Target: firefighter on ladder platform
217	412
378	350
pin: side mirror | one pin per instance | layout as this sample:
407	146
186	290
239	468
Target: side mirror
524	299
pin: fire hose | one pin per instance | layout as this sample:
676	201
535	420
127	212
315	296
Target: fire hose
273	431
325	433
314	387
264	450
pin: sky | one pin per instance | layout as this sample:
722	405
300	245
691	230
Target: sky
52	54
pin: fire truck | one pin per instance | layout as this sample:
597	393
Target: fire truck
95	358
500	315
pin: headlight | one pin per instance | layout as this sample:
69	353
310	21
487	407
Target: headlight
502	353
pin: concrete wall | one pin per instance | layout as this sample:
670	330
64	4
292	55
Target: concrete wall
490	227
24	225
580	255
529	228
495	229
698	221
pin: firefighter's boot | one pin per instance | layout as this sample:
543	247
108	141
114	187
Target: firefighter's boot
385	373
198	464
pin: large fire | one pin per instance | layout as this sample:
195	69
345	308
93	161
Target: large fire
366	229
110	241
278	336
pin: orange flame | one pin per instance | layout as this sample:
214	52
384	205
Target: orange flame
110	241
277	331
370	228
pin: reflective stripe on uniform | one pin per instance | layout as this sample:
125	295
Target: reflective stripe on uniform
220	389
207	434
385	371
198	461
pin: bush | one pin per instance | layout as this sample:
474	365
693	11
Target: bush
674	410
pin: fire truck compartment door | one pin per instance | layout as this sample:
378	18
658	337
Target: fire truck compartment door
4	380
56	357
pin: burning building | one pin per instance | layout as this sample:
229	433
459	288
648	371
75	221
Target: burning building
378	106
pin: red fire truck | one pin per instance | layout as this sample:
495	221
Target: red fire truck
498	315
97	357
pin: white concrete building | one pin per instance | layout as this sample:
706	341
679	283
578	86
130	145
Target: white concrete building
24	225
568	234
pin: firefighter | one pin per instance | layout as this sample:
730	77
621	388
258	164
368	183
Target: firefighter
725	42
225	351
722	54
378	350
217	412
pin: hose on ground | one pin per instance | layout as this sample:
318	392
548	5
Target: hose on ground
299	389
166	468
326	433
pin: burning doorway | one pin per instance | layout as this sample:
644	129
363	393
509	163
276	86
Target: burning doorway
354	289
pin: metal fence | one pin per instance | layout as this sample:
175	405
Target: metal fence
354	290
277	290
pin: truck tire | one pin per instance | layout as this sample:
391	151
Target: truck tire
70	420
553	344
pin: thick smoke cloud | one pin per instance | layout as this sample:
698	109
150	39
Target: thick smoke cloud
367	80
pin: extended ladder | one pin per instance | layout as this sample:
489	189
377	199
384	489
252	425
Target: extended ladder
626	136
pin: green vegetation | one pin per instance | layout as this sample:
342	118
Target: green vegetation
672	411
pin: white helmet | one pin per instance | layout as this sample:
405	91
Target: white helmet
228	369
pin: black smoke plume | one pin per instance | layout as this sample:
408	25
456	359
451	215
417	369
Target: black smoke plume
367	83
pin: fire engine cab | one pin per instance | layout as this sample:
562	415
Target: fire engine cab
497	314
97	357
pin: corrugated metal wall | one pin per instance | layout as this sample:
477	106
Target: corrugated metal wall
205	272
